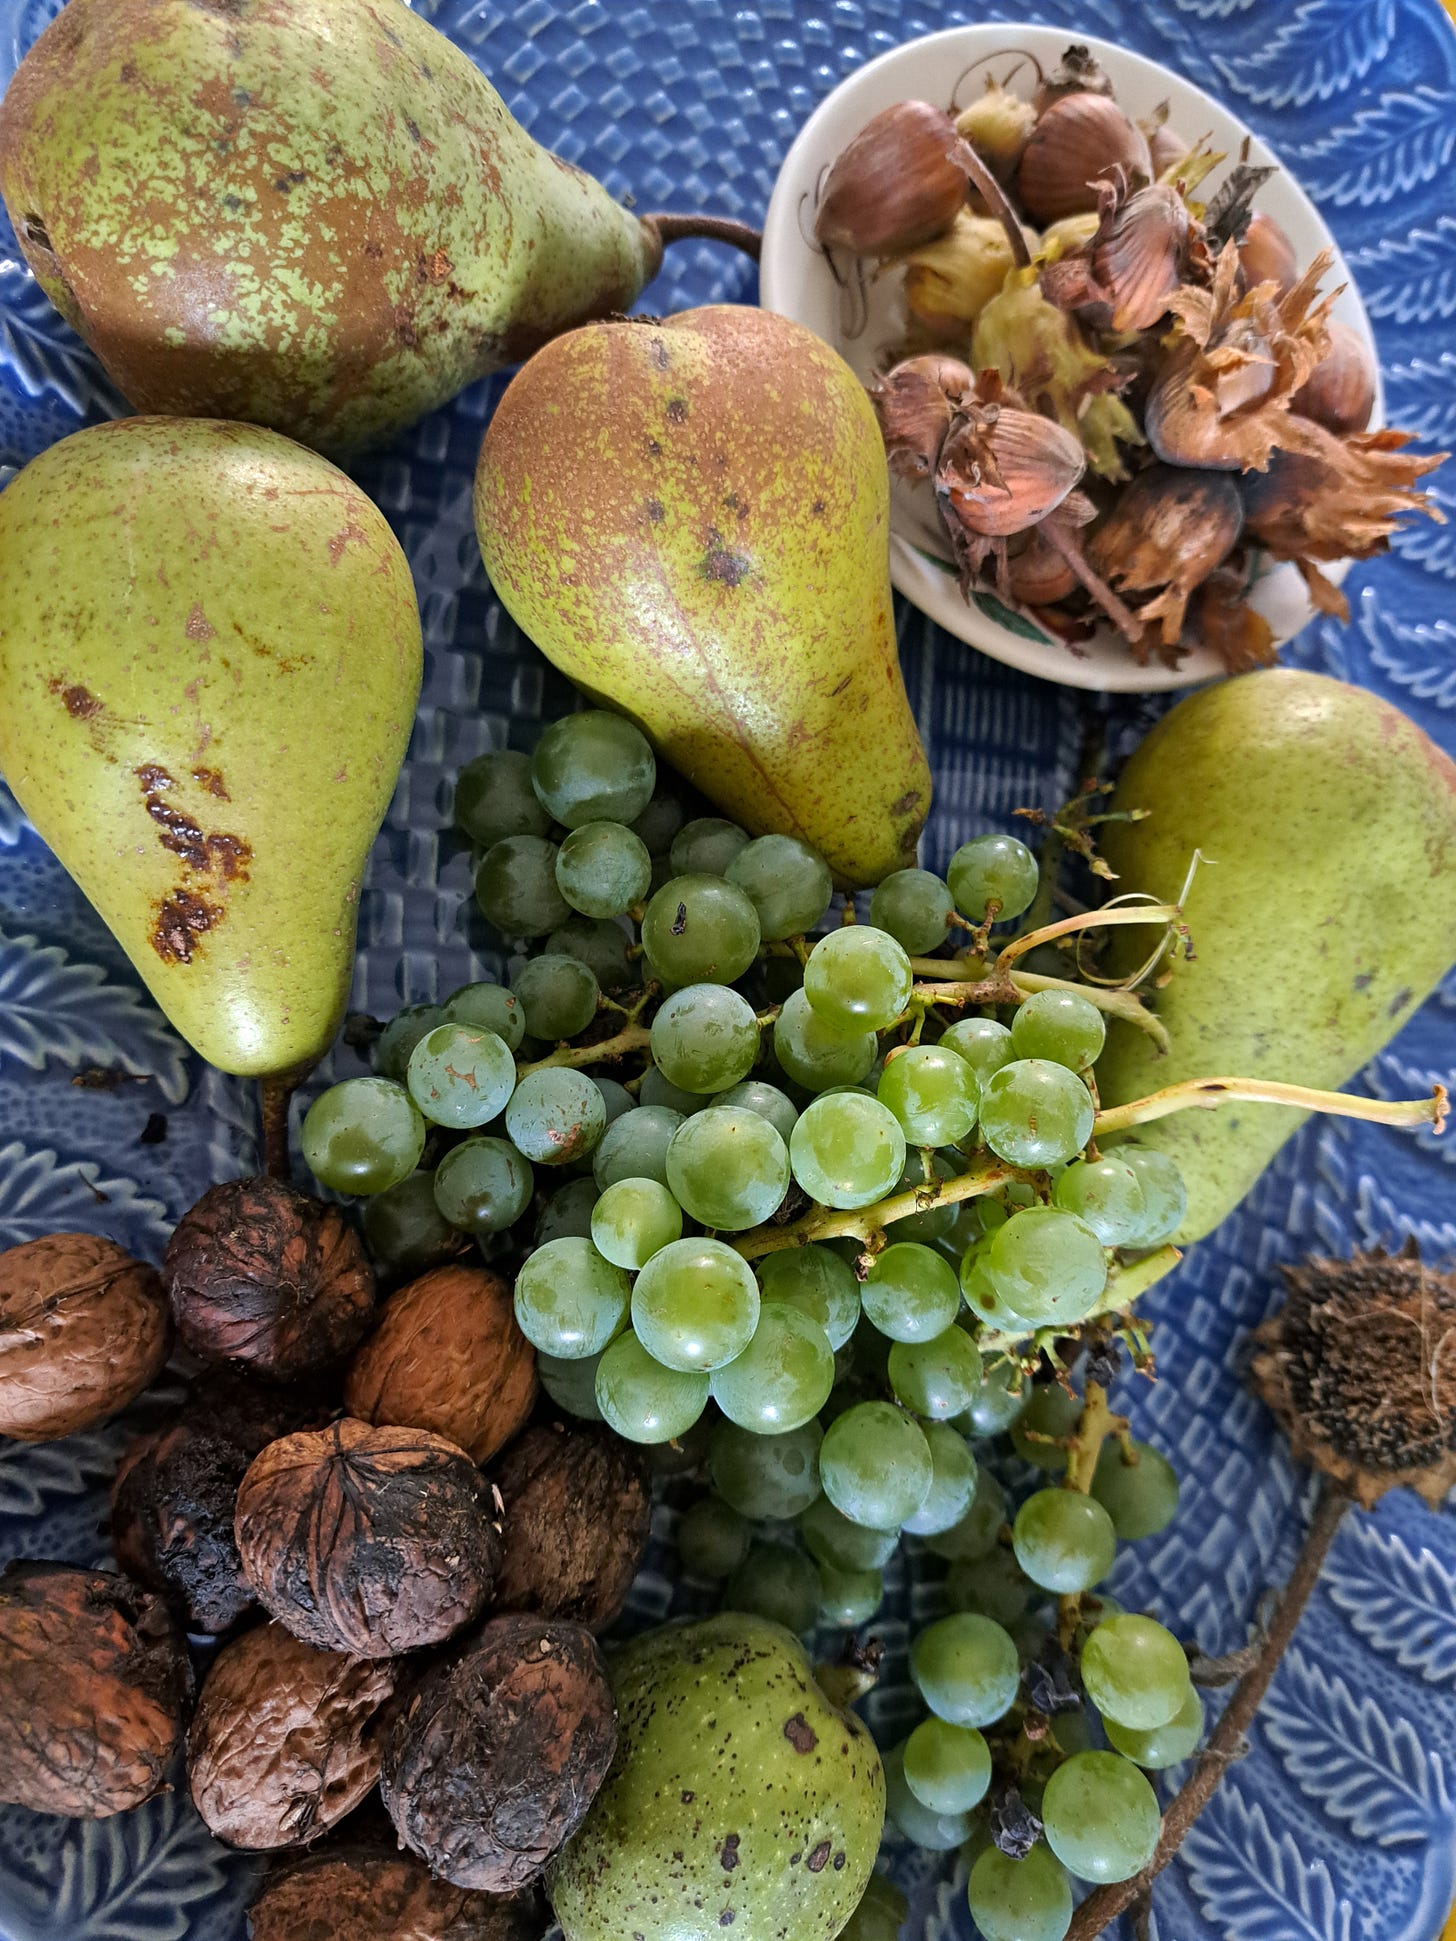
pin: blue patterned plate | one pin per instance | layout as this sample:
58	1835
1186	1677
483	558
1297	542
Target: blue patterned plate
1339	1824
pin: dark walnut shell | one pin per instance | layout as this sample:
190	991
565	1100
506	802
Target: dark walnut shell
286	1739
577	1512
490	1766
447	1355
262	1276
83	1329
373	1541
95	1687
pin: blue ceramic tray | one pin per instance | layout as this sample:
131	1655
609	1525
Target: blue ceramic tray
1339	1825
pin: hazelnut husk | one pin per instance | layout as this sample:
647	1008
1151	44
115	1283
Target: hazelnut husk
368	1540
491	1765
577	1513
83	1329
286	1739
447	1356
1360	1368
264	1277
95	1687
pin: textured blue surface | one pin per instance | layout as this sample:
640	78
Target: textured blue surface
1339	1824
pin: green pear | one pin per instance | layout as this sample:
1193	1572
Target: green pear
690	517
209	663
1323	912
740	1800
310	214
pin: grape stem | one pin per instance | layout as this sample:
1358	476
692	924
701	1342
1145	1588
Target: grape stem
632	1037
829	1223
1094	1425
975	987
1108	917
1207	1093
1103	1907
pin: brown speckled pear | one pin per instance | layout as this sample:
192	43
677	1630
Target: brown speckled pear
209	662
690	517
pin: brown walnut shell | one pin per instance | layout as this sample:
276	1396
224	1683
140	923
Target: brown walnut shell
577	1513
447	1356
262	1276
83	1329
368	1540
286	1739
95	1687
491	1765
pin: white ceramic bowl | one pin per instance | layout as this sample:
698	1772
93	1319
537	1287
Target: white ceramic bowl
796	280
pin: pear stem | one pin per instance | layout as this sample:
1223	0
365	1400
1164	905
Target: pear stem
275	1096
707	229
1207	1093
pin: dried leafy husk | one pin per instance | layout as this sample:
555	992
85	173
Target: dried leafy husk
1146	244
917	403
1165	533
1221	619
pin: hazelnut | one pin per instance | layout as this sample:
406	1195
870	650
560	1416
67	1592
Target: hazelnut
374	1541
263	1276
577	1514
490	1766
447	1355
83	1329
285	1741
95	1684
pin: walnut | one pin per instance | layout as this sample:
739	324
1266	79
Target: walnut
447	1355
265	1277
578	1512
83	1329
374	1541
490	1766
95	1686
286	1738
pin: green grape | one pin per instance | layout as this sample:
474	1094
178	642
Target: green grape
816	1055
728	1169
593	767
858	978
695	1305
602	869
494	799
846	1150
910	1293
1163	1745
995	1585
783	1377
556	1115
1049	1417
982	1042
657	1089
1107	1194
935	1832
600	944
966	1668
837	1544
706	846
699	930
558	994
571	1385
1034	1113
1047	1265
976	1533
915	908
1141	1497
787	882
460	1076
777	1583
483	1185
952	1480
641	1399
1073	1730
875	1465
400	1036
617	1099
1061	1026
1000	1399
947	1767
773	1476
936	1220
1064	1541
568	1212
1020	1900
849	1598
363	1136
570	1301
705	1038
816	1282
932	1093
880	1915
1165	1196
515	887
936	1378
405	1229
633	1220
635	1146
1135	1672
756	1095
658	823
991	870
712	1539
1101	1817
486	1007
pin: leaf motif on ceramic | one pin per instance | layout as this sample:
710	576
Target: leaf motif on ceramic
1401	1601
1323	48
42	1193
1382	151
53	1008
1258	1886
